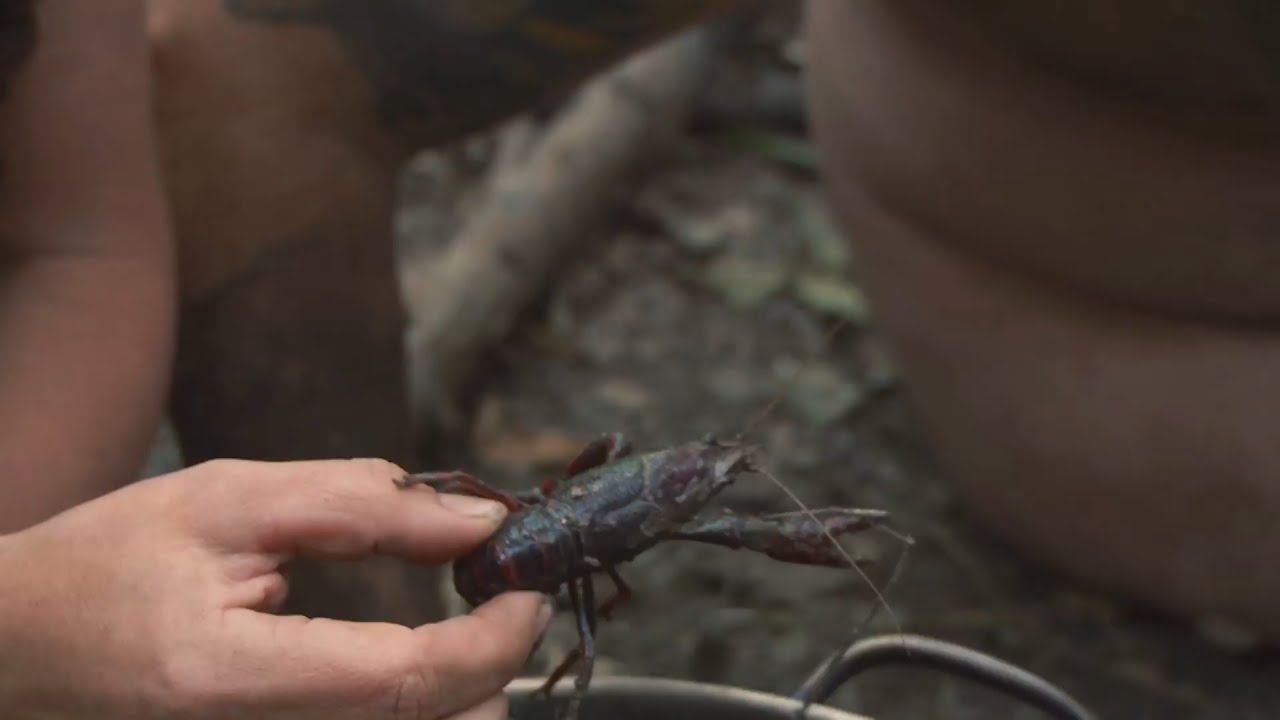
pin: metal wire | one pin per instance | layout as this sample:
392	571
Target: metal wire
939	655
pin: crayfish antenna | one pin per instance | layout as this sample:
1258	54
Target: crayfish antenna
907	541
882	601
778	398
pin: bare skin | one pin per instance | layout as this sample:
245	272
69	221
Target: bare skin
1067	248
1077	280
283	127
86	282
162	600
1066	225
177	616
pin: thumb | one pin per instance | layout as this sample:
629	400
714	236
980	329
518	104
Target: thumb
377	670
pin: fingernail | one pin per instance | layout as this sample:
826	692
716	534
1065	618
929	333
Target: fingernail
473	506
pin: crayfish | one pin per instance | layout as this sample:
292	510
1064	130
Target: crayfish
609	506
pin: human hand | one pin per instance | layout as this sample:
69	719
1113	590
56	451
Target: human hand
155	602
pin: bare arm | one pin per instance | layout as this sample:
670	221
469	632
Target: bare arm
86	284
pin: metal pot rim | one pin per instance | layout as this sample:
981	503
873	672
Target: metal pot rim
879	651
726	696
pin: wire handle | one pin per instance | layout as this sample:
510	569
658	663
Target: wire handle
939	655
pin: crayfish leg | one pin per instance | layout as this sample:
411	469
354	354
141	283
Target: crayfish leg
460	483
601	451
584	610
559	672
622	594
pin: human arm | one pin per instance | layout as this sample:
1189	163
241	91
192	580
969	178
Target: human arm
86	278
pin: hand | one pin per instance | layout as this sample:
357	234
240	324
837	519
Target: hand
155	602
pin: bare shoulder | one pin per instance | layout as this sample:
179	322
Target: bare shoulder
448	66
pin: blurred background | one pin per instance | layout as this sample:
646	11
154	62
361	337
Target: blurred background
689	274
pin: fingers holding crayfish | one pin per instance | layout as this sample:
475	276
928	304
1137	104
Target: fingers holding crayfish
460	483
800	537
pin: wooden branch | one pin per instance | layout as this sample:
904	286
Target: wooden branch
545	194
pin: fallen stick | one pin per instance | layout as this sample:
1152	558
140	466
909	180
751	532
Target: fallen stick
543	196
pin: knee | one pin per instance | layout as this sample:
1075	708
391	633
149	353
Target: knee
1064	299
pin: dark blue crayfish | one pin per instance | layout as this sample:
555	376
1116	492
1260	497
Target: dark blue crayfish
609	506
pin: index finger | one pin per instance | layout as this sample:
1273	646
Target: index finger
342	509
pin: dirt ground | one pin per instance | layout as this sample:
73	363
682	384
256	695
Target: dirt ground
712	284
